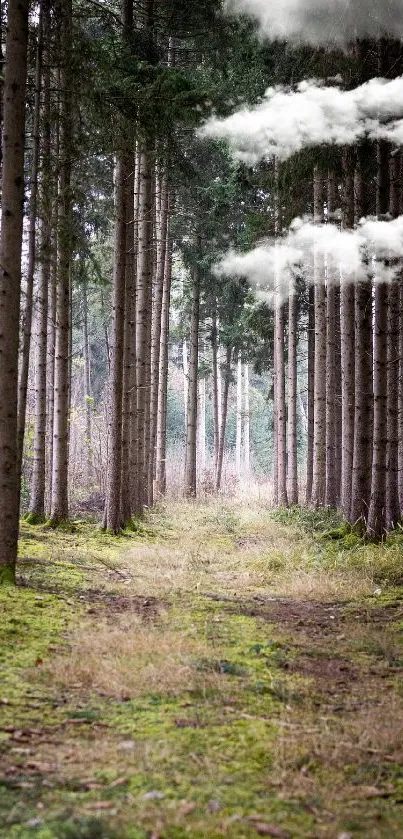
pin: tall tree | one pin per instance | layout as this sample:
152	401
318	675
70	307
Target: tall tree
10	276
191	429
319	448
59	501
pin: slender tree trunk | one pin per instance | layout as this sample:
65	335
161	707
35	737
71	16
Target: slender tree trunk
185	367
362	459
377	524
132	238
400	391
112	515
223	427
162	229
246	430
129	354
216	373
163	374
191	429
59	502
143	320
393	511
311	393
238	446
87	388
10	277
319	448
202	425
331	298
292	398
38	485
347	349
27	323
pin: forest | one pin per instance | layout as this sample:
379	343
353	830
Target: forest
201	419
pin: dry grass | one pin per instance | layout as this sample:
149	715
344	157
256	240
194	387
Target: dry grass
131	659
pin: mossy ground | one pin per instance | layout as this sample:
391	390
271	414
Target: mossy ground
218	671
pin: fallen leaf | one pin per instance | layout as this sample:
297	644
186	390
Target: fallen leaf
154	795
119	782
271	830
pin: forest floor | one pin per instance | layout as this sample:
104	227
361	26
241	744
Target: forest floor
224	672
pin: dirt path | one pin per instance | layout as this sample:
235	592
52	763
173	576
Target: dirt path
174	694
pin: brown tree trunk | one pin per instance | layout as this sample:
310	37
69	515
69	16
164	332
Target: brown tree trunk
191	430
319	446
223	428
292	398
216	373
377	524
162	228
10	277
87	387
347	348
112	517
362	458
331	495
38	485
311	393
393	511
27	323
143	320
163	373
59	502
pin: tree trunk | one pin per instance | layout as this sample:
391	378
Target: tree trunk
292	397
33	204
246	430
331	298
10	277
238	446
362	459
202	425
143	320
311	394
319	445
191	429
162	228
377	524
216	373
347	349
112	515
223	427
59	502
87	388
393	511
163	374
38	485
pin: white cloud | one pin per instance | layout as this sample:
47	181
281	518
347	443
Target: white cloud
323	21
287	121
272	266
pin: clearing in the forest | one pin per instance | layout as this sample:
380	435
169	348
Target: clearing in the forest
226	671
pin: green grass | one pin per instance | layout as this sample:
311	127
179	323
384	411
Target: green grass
200	716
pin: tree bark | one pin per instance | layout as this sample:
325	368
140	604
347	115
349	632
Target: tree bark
393	511
347	349
59	501
33	205
163	373
332	281
10	277
216	373
192	401
311	394
377	523
362	458
223	426
38	485
112	515
162	228
238	445
246	421
319	445
292	397
87	388
143	320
